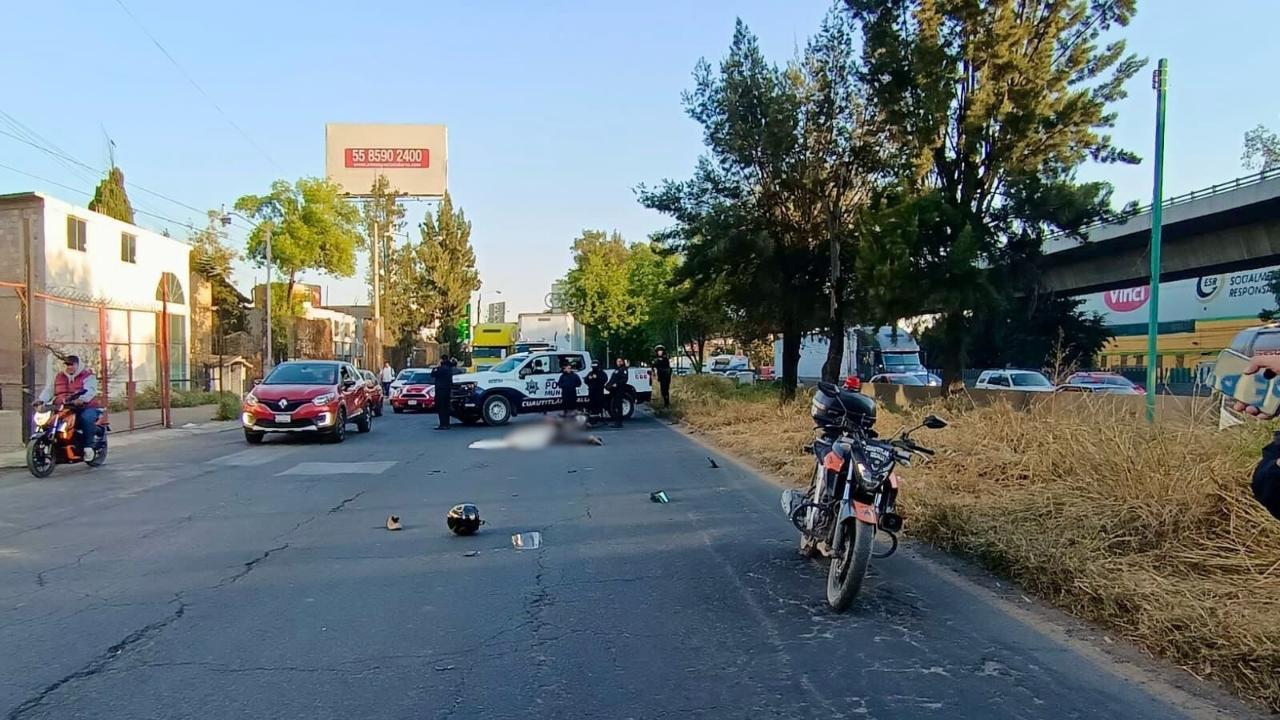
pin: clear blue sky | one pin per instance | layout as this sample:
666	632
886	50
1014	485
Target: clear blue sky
555	109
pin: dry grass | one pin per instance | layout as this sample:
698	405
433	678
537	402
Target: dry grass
1150	531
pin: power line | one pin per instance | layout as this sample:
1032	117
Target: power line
197	86
57	153
55	183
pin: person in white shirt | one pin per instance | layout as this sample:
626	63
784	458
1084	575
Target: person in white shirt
386	376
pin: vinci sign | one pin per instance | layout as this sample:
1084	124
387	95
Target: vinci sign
411	157
1239	295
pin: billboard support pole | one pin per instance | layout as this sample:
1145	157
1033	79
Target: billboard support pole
1159	82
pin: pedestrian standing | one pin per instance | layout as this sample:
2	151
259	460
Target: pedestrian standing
386	376
619	385
1266	476
443	375
662	364
568	382
596	380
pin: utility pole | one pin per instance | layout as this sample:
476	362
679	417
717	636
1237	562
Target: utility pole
375	244
1159	83
269	359
28	332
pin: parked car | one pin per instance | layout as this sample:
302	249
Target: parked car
898	379
1102	382
1017	380
416	392
374	389
307	396
398	384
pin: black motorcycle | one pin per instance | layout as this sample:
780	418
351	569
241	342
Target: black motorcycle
854	490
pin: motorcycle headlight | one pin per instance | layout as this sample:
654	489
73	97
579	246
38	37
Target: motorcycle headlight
870	479
41	417
324	399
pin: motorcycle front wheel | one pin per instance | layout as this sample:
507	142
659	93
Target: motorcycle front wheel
40	457
850	557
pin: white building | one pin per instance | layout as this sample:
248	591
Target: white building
108	291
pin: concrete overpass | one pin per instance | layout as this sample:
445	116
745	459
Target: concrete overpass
1225	228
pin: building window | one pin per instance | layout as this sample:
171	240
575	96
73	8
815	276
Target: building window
129	248
76	232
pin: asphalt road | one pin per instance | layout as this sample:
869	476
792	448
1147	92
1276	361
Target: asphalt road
201	578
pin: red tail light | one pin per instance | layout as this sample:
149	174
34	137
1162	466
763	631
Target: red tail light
852	383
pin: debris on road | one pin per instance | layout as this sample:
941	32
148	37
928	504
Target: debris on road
393	522
713	462
659	496
471	553
526	540
442	668
463	519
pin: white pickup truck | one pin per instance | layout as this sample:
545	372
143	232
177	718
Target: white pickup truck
526	383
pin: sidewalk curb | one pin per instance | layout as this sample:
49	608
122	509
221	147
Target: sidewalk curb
17	458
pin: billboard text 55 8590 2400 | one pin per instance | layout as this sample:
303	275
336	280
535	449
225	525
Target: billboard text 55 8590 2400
413	158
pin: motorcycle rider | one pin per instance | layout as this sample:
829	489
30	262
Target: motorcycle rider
662	364
619	384
568	382
75	379
596	380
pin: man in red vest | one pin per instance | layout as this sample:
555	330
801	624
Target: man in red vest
75	379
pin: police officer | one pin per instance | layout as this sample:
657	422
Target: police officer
619	384
568	382
662	364
443	375
596	380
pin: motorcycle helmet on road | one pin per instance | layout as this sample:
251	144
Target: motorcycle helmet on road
464	519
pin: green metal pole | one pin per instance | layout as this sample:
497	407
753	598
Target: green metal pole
1159	82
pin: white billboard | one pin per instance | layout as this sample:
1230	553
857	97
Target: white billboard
413	158
1210	297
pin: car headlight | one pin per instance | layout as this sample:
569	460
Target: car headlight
250	400
395	391
41	418
324	399
466	387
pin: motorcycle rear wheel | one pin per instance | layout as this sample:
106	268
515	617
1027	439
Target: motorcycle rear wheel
40	458
850	559
99	455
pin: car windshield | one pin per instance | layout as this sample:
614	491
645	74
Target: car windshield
487	352
420	376
405	374
509	365
1029	380
303	374
903	362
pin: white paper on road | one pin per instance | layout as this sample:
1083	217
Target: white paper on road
340	468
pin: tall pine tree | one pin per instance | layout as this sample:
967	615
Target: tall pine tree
110	197
449	266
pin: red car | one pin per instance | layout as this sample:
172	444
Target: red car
418	392
374	388
307	396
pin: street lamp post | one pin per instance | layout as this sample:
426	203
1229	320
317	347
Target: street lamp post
1159	82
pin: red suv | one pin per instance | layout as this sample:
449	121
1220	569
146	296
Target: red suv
307	396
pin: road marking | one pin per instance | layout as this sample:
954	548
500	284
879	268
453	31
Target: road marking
251	457
339	468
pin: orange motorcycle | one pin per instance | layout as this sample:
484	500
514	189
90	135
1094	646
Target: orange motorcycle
53	438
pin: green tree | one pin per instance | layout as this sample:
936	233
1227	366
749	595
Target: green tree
313	228
1261	150
212	258
991	106
382	210
110	197
449	271
746	219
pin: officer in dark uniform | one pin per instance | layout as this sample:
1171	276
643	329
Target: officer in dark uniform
619	384
596	380
662	364
443	375
568	382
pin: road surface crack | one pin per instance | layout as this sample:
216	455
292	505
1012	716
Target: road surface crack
100	663
248	567
343	504
40	579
